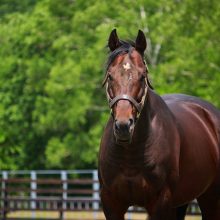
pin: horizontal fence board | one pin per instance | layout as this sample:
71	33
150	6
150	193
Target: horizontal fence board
48	181
53	190
80	199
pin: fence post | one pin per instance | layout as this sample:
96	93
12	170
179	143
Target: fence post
64	194
95	196
4	195
33	193
129	215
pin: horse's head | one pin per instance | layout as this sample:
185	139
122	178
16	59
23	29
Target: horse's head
126	83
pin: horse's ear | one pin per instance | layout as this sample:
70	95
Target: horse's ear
113	41
140	43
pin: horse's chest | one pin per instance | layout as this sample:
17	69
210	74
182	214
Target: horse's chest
134	190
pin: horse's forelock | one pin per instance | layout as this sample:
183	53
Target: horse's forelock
126	47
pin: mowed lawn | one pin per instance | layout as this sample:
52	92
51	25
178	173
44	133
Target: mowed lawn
81	215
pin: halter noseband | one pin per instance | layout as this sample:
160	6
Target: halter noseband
125	97
137	105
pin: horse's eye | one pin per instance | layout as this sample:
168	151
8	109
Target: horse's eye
110	77
142	78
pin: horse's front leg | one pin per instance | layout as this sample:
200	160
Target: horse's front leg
162	209
112	208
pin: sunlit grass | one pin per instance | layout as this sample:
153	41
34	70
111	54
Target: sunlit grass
80	215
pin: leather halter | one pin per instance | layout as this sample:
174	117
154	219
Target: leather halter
125	97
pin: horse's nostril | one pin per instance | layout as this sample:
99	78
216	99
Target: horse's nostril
117	125
122	126
130	122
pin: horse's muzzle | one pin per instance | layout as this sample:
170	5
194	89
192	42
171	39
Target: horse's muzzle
123	131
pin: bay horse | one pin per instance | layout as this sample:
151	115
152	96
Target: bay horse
156	152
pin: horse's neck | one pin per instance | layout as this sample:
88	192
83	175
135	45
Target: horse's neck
144	123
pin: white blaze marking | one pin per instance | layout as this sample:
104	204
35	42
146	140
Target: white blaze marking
127	66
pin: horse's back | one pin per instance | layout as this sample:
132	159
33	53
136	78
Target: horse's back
199	127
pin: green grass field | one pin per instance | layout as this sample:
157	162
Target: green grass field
81	215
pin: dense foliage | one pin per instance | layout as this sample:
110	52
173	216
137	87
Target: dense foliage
52	55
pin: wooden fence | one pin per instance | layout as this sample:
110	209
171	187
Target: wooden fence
58	191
